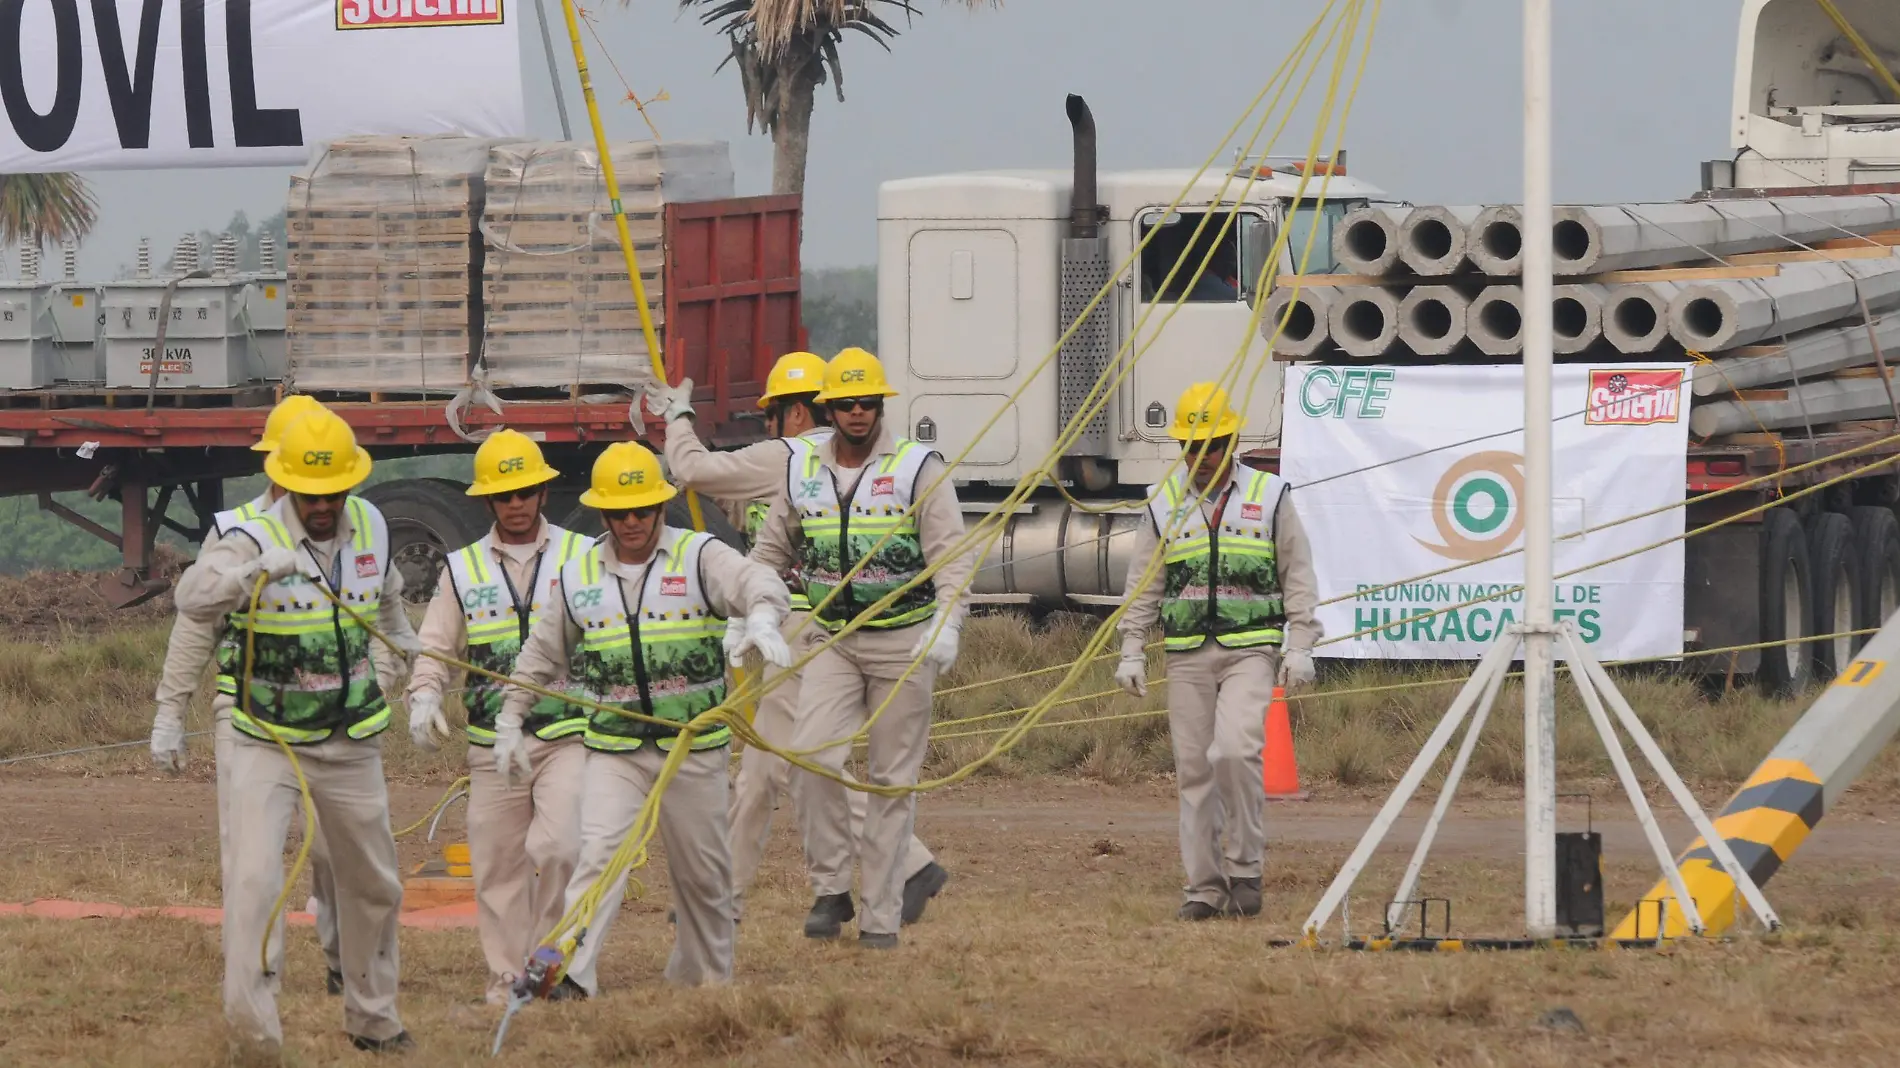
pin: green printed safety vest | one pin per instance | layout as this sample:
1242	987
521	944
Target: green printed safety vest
657	650
1221	583
227	521
310	674
837	536
493	613
757	511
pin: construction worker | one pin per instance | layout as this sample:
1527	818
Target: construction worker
645	621
524	838
193	643
844	495
307	673
1235	597
755	475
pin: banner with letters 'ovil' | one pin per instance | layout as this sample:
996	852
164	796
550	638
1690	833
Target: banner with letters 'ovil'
1407	471
113	84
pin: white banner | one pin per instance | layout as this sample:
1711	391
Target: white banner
98	84
1620	443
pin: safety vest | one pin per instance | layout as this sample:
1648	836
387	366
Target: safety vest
757	511
657	650
311	672
1222	583
230	519
492	611
837	537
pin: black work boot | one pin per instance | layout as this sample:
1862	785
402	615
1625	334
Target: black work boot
920	888
1243	897
400	1043
1196	911
828	916
333	982
567	990
867	940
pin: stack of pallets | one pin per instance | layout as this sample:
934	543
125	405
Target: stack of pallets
559	306
380	261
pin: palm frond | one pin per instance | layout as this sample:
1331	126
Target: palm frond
777	23
44	209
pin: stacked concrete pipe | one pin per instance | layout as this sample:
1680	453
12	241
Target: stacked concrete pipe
1809	404
1434	240
1365	321
1495	241
1636	316
1307	330
1620	237
1495	321
1366	241
1432	320
1712	316
1806	357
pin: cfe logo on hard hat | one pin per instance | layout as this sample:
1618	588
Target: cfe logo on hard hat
850	376
511	465
315	458
1622	397
1477	506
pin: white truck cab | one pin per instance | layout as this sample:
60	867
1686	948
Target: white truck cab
979	275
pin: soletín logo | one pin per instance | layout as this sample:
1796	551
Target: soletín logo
1477	506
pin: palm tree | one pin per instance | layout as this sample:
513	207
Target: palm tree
43	209
785	49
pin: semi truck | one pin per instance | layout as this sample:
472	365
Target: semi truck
979	276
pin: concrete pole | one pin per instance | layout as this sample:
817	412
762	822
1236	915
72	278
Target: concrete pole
1540	714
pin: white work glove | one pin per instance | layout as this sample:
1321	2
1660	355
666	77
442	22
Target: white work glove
761	633
671	402
1132	674
168	743
938	646
1296	669
280	563
428	728
734	642
511	751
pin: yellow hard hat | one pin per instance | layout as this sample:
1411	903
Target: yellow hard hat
318	455
1203	413
509	460
793	374
288	411
855	373
626	476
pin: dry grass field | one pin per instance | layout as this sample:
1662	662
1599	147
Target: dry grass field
1054	944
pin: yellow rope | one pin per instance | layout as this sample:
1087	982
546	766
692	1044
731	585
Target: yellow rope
296	767
447	796
1860	44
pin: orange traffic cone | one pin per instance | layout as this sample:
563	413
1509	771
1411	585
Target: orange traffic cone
1282	772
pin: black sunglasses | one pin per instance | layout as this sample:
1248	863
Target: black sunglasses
516	495
326	498
615	515
845	404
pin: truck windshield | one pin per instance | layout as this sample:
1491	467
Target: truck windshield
1314	221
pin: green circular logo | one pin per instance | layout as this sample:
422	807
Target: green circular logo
1494	512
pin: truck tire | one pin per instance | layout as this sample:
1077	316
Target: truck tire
585	520
1786	602
1834	571
428	519
1877	536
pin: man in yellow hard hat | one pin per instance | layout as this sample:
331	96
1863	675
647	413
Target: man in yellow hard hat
1235	594
524	834
755	475
879	507
307	672
643	618
192	644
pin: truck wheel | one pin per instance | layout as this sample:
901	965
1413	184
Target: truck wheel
1834	571
585	520
428	519
1877	537
1785	601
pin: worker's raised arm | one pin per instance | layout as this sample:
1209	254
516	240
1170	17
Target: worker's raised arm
754	473
940	528
445	633
1143	599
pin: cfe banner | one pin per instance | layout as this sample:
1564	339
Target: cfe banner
114	84
1401	471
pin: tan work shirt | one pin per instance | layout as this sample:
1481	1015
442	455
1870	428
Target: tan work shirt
1299	586
193	642
219	583
734	586
445	627
754	473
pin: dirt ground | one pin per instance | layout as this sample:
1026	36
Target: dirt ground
1053	945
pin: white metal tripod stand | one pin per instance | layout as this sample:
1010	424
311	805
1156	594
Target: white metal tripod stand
1474	701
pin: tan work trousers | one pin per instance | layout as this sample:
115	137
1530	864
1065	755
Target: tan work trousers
693	830
523	843
322	881
352	803
764	777
842	687
1217	706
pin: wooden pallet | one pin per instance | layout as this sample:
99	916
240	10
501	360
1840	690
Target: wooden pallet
254	395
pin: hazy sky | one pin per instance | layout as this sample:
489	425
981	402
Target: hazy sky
1642	96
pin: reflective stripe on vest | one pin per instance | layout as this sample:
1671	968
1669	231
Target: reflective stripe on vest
311	674
658	650
836	537
496	633
1222	583
227	521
